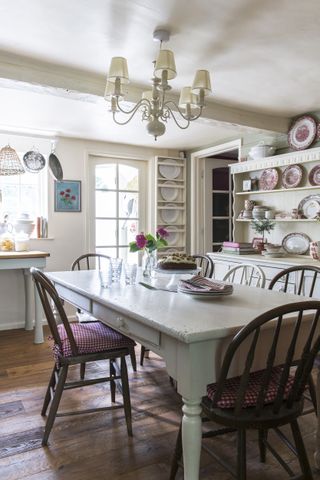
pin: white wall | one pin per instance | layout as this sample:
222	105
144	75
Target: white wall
67	230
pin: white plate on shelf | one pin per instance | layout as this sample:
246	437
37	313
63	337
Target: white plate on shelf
170	215
296	243
169	193
170	171
173	236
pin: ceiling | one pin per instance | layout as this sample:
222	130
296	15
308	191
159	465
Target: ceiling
262	57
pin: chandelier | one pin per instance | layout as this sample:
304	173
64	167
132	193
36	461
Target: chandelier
154	106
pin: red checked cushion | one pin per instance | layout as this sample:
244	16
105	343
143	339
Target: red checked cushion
229	395
91	337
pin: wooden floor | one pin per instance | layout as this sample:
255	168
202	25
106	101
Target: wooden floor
96	446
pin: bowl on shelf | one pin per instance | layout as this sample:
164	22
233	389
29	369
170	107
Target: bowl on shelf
272	248
261	151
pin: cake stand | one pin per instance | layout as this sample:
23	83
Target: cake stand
176	275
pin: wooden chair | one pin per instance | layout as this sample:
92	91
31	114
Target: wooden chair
267	398
77	343
300	280
246	274
206	265
90	261
207	269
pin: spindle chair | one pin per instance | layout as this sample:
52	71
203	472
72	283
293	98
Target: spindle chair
246	274
77	343
265	398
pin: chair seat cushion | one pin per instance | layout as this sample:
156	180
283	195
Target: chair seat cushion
91	337
231	388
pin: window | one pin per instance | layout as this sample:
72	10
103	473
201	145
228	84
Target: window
119	201
23	194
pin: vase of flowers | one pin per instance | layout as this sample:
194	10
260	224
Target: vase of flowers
149	244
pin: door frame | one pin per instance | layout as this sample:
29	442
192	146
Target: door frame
196	190
148	208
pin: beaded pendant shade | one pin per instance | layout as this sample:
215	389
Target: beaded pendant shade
10	163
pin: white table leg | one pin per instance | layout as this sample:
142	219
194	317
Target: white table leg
317	451
32	298
28	288
191	438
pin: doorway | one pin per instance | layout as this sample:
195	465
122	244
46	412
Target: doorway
211	197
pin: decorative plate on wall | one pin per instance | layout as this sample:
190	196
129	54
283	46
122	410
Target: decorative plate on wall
292	176
314	175
310	206
170	171
169	214
302	132
269	179
168	192
296	243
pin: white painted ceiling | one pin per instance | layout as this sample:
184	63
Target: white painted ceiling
263	57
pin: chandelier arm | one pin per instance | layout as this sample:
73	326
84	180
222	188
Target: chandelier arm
126	121
176	121
195	117
143	101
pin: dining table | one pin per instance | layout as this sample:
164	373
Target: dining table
190	333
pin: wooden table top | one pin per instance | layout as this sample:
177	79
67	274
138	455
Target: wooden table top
27	254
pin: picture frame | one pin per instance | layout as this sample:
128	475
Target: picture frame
247	185
256	241
67	196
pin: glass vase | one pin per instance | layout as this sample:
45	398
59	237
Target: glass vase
149	262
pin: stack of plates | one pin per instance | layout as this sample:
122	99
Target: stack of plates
201	287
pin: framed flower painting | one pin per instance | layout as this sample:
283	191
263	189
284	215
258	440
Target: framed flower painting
67	196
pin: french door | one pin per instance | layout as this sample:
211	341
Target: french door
118	200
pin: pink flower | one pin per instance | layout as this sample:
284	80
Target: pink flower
141	241
162	232
73	197
68	190
62	193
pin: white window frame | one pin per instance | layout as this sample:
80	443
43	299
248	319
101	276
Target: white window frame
143	191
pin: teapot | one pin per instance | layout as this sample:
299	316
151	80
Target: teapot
261	150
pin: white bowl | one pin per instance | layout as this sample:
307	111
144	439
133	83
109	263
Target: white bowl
272	248
261	151
24	227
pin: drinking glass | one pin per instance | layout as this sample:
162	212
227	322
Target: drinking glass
105	275
130	271
116	266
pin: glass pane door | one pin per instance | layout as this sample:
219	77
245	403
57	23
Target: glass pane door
118	213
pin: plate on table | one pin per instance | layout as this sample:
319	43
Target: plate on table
296	243
269	179
292	176
310	206
302	132
314	175
169	215
34	161
170	171
169	193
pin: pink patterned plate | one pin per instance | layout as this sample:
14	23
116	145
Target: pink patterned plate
291	176
269	179
302	132
314	176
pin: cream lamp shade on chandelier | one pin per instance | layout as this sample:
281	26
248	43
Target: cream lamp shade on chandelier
154	107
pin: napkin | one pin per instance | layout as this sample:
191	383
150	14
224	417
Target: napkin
203	284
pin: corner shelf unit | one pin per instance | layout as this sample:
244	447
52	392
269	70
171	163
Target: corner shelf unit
171	201
279	199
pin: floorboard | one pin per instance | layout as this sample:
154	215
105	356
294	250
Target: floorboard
96	446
